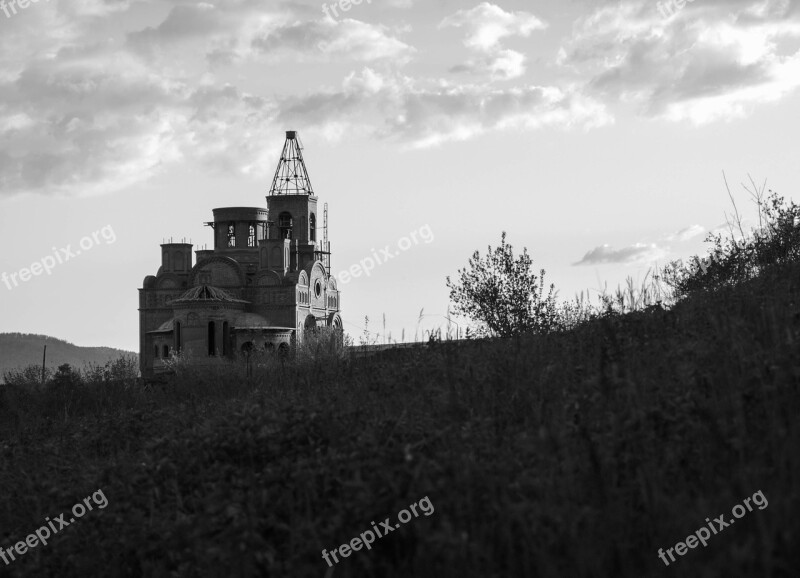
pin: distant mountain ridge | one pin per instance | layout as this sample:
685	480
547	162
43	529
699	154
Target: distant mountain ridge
18	350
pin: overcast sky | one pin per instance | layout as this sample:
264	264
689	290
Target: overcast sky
594	133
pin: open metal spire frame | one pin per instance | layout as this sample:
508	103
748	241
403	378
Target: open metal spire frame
291	176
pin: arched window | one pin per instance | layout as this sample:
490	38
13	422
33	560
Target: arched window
178	336
231	234
155	351
283	350
251	235
212	339
312	228
285	225
166	351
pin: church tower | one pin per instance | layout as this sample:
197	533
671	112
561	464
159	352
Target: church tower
293	242
294	212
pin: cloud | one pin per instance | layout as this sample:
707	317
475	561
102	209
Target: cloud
85	112
85	117
687	233
94	120
423	114
184	23
605	254
97	8
710	61
346	38
485	26
504	65
230	33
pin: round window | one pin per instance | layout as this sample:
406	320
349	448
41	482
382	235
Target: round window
318	288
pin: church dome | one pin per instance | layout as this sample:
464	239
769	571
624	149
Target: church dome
206	294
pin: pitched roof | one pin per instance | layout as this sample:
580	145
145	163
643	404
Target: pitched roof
166	327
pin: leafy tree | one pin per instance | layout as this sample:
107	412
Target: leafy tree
503	294
66	378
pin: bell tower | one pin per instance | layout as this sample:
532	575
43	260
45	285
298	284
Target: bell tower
293	211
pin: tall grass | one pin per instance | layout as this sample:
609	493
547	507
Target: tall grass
577	454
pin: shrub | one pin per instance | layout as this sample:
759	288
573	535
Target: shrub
30	376
732	261
323	344
503	294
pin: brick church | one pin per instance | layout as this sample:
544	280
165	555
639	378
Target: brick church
266	282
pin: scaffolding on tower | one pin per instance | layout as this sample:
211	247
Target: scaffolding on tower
324	253
291	176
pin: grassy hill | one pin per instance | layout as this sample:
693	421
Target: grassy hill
19	350
580	454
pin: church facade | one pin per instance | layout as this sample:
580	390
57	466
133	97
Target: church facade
263	286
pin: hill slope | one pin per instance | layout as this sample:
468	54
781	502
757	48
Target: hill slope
579	454
23	349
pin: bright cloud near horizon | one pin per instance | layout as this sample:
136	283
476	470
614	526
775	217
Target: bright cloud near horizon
595	134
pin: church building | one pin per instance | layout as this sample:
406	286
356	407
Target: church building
266	282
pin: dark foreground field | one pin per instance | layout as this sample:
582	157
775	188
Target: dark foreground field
575	455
